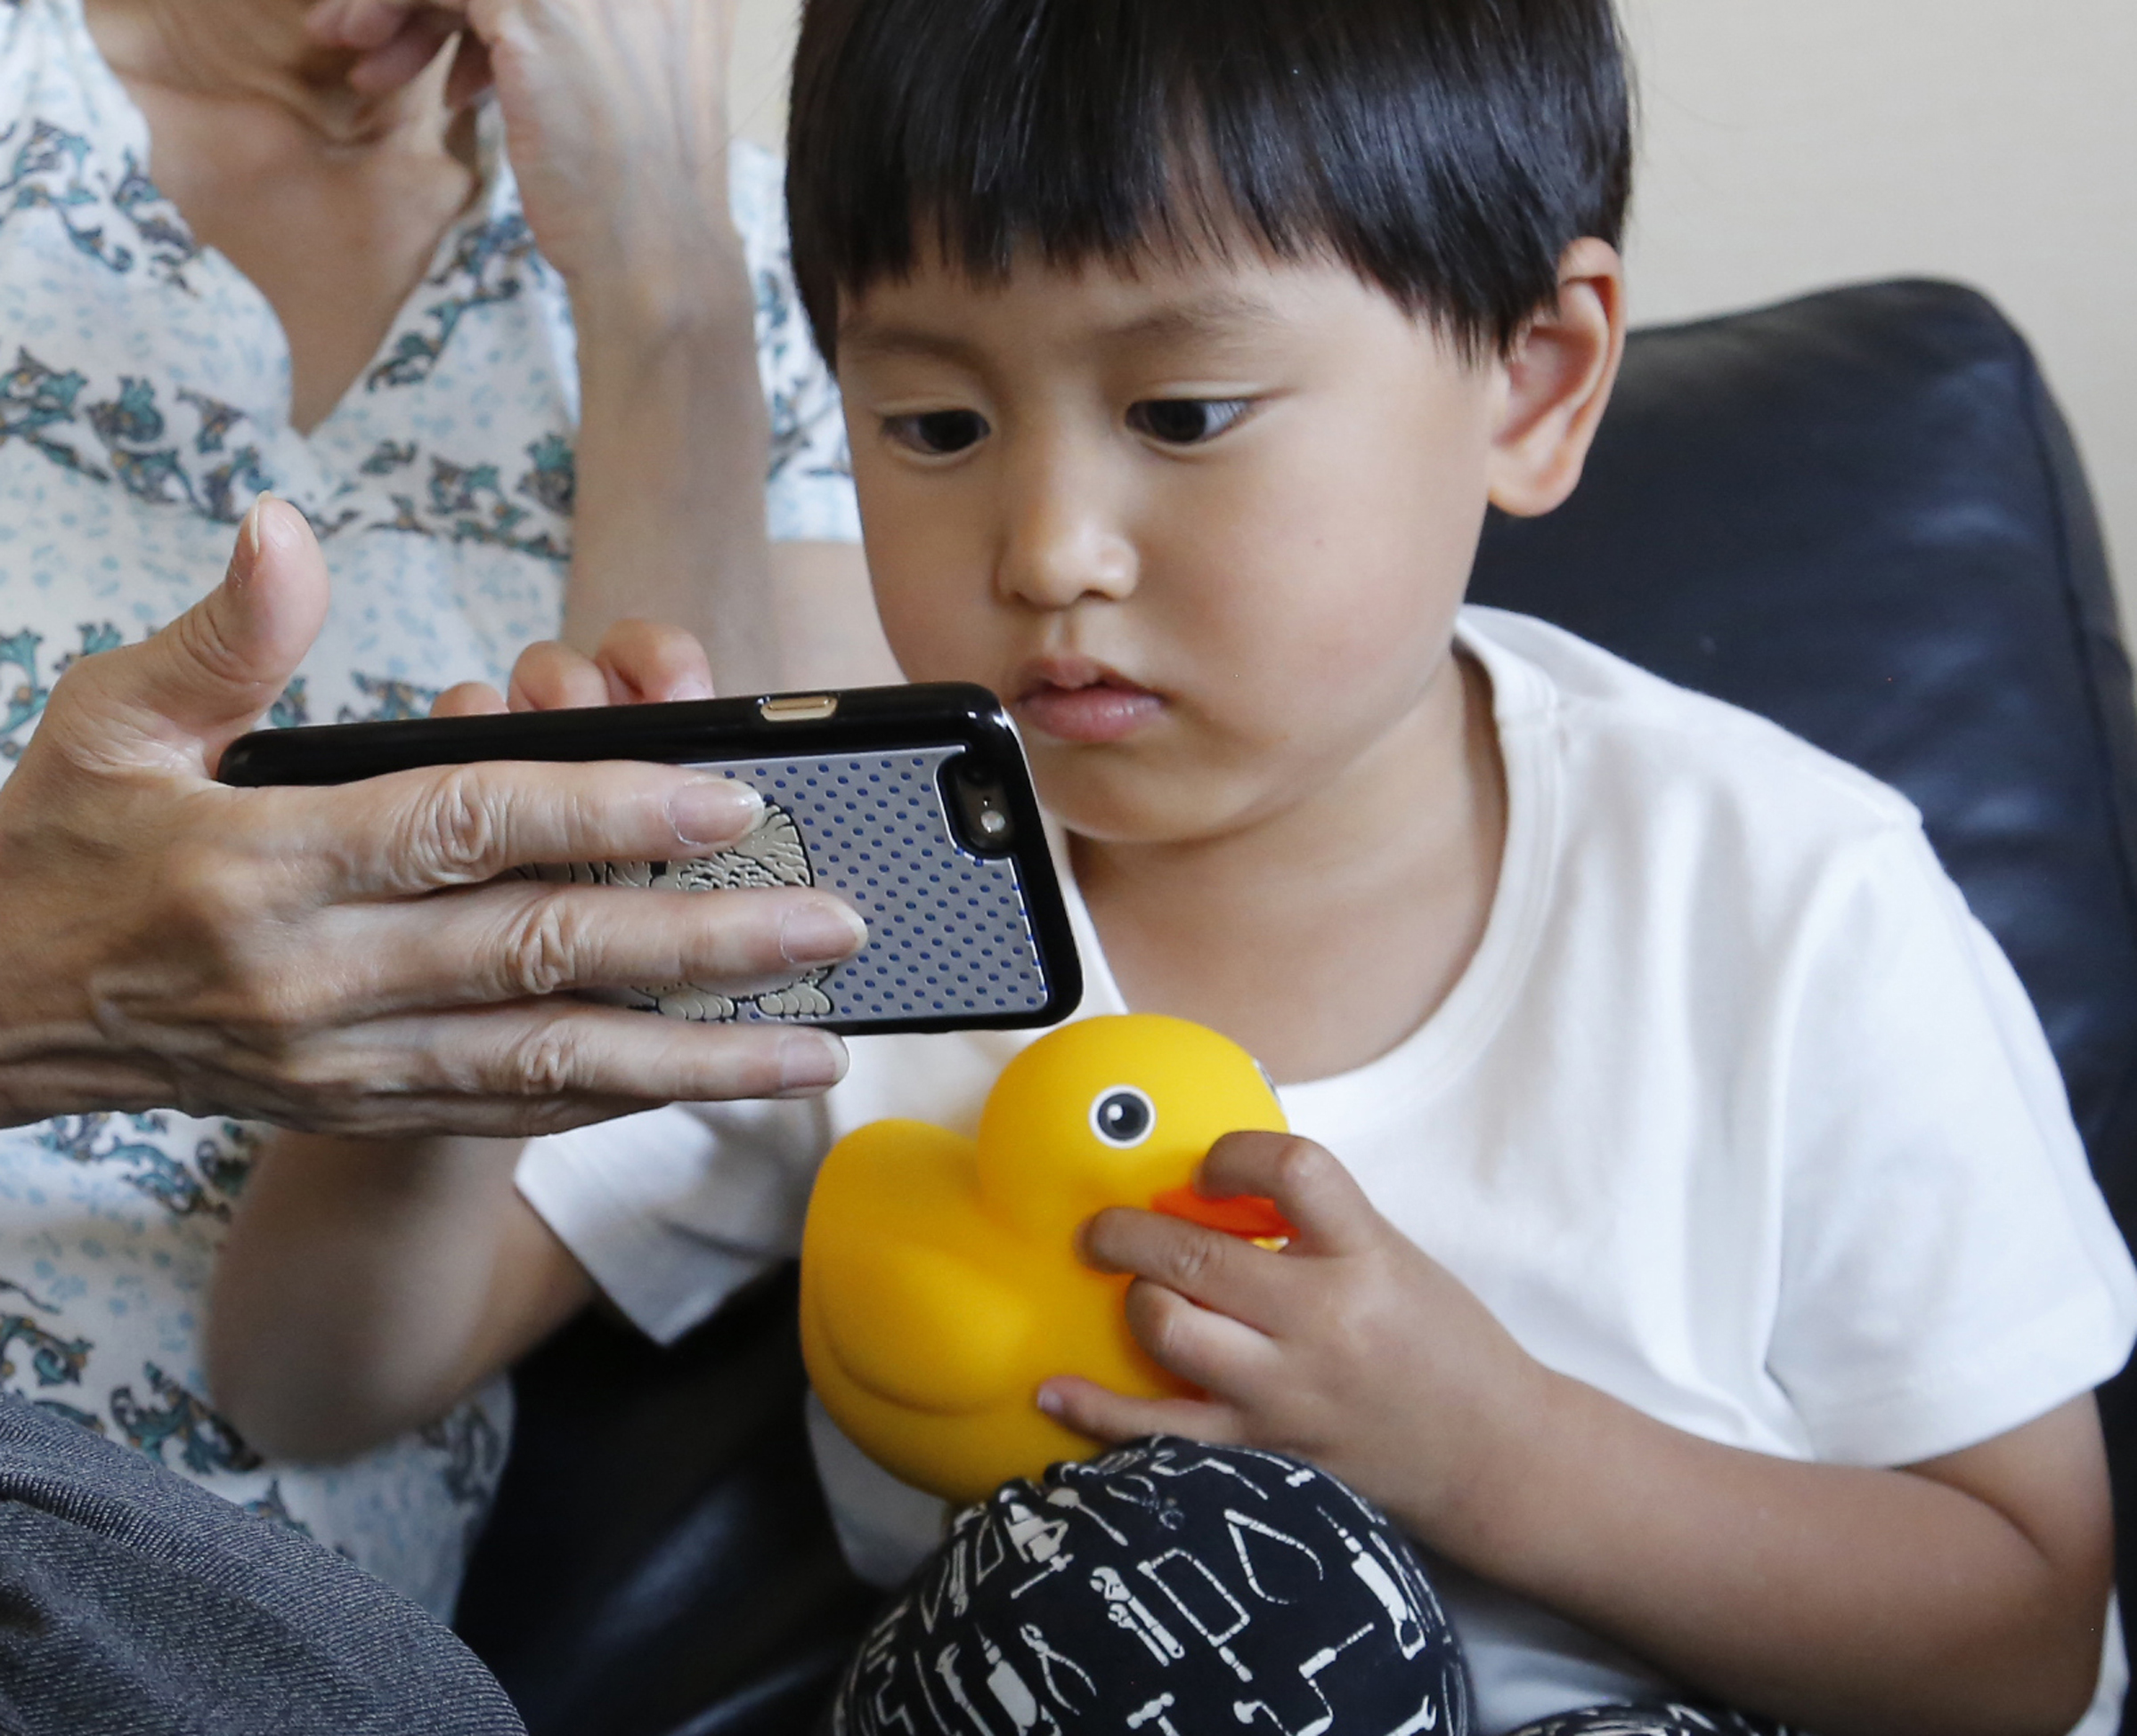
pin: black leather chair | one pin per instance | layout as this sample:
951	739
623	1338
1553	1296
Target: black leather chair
1858	513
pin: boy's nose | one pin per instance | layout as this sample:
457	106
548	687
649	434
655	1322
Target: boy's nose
1062	543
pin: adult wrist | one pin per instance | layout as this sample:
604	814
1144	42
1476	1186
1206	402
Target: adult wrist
52	1059
686	292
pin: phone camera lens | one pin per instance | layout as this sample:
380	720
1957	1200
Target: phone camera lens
1123	1117
980	807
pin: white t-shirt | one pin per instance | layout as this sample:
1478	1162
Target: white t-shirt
1737	1115
144	392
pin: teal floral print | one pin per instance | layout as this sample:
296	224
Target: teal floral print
53	1360
136	1148
488	264
40	404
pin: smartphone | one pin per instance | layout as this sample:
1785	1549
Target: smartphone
914	804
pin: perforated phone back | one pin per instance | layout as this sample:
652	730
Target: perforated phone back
949	930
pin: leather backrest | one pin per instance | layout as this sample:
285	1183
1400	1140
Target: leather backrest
660	1562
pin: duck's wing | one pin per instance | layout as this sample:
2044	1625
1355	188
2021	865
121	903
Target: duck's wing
896	1274
924	1328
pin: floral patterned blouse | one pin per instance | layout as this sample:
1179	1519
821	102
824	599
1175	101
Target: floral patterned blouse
143	403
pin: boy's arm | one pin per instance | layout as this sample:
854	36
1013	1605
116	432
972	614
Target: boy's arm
825	614
367	1286
1962	1595
1967	1593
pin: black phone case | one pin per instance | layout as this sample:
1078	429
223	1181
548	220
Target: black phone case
914	804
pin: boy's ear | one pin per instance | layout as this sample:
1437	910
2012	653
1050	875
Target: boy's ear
1557	381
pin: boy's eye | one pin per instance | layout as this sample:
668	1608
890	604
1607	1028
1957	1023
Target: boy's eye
938	432
1186	421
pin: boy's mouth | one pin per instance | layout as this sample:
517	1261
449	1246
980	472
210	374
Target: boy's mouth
1073	699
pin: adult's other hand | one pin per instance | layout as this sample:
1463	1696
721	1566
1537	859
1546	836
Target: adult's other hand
344	959
616	114
615	117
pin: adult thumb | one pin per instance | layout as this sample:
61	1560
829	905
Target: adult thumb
211	673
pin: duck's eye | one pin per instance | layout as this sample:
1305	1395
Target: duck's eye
1186	421
1122	1115
937	432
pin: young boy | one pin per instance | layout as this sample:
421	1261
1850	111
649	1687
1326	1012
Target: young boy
1695	1253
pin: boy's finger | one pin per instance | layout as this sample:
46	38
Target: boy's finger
552	676
646	660
468	698
1205	1266
1112	1417
1320	1197
1224	1357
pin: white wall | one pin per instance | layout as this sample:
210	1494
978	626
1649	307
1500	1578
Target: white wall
1790	145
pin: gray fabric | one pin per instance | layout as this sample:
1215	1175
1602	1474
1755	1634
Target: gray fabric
132	1601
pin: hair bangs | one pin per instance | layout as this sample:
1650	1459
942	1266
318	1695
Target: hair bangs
1446	150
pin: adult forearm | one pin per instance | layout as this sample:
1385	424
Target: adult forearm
671	460
615	119
1835	1598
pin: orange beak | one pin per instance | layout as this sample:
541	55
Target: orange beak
1247	1215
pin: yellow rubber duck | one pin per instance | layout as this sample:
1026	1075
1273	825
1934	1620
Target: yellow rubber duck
940	1279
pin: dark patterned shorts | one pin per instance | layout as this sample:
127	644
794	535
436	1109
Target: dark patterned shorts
1180	1590
1664	1720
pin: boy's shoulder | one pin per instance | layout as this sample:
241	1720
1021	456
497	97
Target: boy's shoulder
1619	735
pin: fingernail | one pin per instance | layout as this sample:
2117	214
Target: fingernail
1049	1401
820	933
278	527
245	553
808	1061
711	811
248	533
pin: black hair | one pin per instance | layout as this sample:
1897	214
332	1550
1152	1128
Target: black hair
1447	150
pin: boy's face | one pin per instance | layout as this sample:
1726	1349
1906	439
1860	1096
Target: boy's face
1204	528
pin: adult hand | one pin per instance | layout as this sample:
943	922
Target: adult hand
344	959
615	111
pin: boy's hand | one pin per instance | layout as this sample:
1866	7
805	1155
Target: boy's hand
639	662
1352	1347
